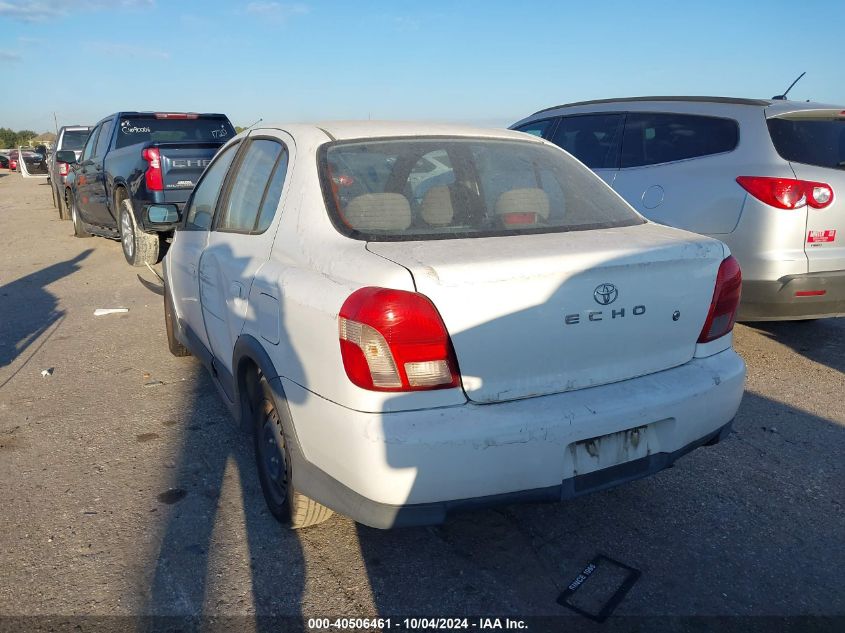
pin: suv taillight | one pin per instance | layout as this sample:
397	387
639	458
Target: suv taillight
63	168
394	340
723	307
154	179
787	193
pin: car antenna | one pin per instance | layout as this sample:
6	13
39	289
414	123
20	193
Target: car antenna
783	96
256	123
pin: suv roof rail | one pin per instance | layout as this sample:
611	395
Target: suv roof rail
731	100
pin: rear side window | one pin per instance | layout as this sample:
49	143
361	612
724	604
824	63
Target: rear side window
89	144
593	139
251	183
74	139
536	128
654	138
811	141
103	139
147	128
201	207
446	188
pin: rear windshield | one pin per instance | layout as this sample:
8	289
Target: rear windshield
147	128
439	188
74	139
812	141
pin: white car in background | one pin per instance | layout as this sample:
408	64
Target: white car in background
520	334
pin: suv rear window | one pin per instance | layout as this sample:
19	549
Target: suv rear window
653	138
148	128
74	139
812	141
440	188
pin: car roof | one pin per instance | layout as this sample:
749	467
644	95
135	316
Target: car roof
347	130
771	105
689	99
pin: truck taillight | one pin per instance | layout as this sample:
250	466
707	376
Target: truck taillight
723	307
394	340
787	193
63	168
155	181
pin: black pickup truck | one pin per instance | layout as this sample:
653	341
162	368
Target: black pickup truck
133	160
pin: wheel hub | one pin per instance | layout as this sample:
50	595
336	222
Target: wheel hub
273	461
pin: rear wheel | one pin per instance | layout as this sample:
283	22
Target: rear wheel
139	248
290	508
78	228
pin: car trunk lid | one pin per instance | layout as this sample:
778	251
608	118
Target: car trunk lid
530	315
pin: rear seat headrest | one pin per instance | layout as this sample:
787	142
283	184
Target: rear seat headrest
379	212
437	208
529	200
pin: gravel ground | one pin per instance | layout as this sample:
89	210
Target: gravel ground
126	489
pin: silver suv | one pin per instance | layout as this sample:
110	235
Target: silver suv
765	176
70	138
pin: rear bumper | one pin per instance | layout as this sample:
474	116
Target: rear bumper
776	300
415	467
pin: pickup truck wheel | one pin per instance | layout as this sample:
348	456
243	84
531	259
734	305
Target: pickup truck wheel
78	228
139	248
176	348
290	508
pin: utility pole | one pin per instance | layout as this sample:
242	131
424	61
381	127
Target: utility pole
56	122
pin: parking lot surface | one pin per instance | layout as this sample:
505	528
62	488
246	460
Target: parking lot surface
126	489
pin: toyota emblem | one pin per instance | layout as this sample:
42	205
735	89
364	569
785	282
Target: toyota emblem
605	294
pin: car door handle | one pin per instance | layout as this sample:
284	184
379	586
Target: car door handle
236	290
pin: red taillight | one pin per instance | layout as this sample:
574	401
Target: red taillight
154	179
787	193
722	315
394	340
63	169
13	164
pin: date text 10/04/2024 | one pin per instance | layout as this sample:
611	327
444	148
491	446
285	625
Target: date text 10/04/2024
416	624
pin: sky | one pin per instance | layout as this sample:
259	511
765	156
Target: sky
483	62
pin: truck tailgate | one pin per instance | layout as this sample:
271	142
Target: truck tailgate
183	163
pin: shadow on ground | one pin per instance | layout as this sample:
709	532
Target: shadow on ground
28	309
822	340
212	453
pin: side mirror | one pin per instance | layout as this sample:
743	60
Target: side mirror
66	156
160	214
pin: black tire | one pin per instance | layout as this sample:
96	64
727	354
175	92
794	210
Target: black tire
176	348
290	508
78	228
139	248
64	213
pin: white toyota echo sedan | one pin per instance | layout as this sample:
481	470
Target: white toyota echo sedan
414	319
